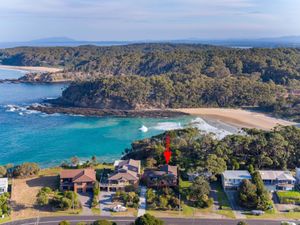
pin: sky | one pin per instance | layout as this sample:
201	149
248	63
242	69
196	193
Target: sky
123	20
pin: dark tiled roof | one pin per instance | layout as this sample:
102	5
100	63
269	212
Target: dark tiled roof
79	175
169	169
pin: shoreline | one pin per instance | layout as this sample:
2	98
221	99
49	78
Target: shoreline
238	117
32	68
155	113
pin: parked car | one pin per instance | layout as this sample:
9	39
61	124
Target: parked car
257	212
287	223
119	208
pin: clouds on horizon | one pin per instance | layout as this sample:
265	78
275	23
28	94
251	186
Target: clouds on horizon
144	19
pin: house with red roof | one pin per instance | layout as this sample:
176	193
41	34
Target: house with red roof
77	180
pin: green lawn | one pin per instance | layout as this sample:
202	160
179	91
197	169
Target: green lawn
289	196
53	171
103	166
184	184
5	219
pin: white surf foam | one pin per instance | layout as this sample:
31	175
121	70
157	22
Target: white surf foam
203	126
21	110
143	129
167	126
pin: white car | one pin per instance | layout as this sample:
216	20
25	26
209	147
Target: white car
257	212
287	223
119	208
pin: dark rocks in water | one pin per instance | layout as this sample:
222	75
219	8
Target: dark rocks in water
106	112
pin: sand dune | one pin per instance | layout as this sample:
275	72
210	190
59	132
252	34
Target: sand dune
238	117
32	68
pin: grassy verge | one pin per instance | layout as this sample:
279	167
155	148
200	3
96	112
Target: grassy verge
96	211
129	212
223	201
103	166
287	197
5	219
53	171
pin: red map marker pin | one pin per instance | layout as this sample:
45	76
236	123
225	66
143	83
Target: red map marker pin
167	155
167	152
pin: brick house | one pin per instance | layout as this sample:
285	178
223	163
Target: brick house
77	180
165	176
126	173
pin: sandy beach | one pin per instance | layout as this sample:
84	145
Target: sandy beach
238	117
32	68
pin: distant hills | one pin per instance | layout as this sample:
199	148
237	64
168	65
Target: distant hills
287	41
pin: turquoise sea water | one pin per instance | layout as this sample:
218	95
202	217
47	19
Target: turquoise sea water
50	139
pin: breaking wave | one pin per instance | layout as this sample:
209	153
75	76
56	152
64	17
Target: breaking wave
203	126
167	126
21	110
143	129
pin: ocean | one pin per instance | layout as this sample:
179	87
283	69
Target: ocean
31	136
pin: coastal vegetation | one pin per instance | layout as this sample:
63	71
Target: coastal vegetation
281	65
196	152
253	194
23	170
148	219
130	199
143	76
58	200
5	208
198	193
162	199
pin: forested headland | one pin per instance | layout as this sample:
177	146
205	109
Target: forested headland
144	76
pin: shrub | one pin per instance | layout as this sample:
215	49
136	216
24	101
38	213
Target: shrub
4	204
42	199
95	201
81	223
242	223
47	190
65	203
103	222
96	189
148	219
64	222
3	171
26	169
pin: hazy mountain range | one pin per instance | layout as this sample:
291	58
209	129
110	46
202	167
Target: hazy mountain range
287	41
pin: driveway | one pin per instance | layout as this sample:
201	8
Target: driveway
86	202
237	210
142	204
214	195
105	203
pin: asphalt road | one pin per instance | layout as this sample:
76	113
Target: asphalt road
128	220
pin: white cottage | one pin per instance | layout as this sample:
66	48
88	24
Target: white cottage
231	179
3	185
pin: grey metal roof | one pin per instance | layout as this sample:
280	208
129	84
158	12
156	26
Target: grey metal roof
236	174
